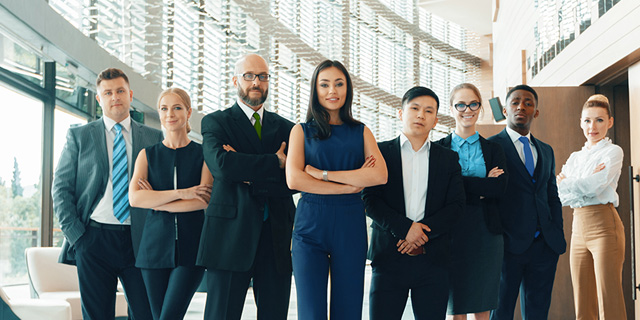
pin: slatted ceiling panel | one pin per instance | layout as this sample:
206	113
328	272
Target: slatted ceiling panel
368	110
213	84
388	123
294	35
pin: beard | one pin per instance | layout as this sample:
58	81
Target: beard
244	96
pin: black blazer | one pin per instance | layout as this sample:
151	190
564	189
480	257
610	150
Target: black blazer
243	182
385	204
486	191
526	202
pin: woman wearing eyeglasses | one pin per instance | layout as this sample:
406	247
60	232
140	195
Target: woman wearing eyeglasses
477	243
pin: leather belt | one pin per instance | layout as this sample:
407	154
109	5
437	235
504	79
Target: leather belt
112	227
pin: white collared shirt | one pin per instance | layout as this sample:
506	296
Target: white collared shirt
518	144
582	187
249	112
103	212
415	177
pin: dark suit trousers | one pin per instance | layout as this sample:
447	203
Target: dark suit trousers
392	281
170	290
103	256
227	290
531	274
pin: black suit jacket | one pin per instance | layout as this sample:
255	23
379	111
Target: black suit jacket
525	203
385	204
486	191
234	218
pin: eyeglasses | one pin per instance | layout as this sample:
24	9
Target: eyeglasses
250	76
461	106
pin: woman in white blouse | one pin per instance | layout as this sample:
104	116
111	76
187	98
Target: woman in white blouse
588	184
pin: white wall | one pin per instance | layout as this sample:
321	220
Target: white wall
608	40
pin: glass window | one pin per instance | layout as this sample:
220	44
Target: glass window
20	188
20	60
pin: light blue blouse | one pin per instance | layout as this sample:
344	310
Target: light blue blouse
470	154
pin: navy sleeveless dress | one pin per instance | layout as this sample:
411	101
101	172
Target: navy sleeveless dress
330	231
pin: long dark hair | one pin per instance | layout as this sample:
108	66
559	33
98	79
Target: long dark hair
317	116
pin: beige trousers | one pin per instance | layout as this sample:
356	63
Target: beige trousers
597	254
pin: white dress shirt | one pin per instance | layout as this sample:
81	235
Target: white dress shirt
519	146
249	112
582	187
104	210
415	177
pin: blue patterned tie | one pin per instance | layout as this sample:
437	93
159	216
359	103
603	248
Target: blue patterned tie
120	177
528	155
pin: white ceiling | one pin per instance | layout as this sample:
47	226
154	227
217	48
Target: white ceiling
474	15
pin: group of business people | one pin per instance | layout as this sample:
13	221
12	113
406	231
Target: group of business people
462	224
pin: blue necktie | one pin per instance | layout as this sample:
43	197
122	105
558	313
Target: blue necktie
120	177
528	155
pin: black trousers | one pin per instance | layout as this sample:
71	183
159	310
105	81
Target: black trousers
227	290
171	290
104	253
391	282
530	274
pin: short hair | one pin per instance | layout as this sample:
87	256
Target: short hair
598	101
461	86
110	74
183	95
419	91
525	88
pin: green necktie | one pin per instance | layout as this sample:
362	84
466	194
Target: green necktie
257	125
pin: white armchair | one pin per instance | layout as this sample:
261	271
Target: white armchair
56	281
36	309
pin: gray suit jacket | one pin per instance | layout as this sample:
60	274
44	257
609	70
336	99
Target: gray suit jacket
81	178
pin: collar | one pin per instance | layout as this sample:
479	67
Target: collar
601	144
458	141
249	112
109	123
404	141
515	136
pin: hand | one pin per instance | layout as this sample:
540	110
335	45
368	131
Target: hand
560	177
495	172
599	168
282	158
200	192
369	162
143	184
313	172
405	247
228	148
414	238
352	189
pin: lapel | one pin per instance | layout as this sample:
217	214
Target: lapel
512	156
98	135
486	153
243	124
269	129
434	160
394	166
540	160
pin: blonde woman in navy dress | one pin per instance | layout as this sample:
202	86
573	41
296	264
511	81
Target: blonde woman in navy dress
477	245
587	184
172	179
332	157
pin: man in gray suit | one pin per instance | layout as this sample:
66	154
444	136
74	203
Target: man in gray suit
97	232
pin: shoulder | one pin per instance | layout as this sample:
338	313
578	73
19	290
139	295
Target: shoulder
145	128
445	142
280	119
437	148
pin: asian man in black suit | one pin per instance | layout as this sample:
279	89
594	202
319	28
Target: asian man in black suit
531	213
412	216
249	221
